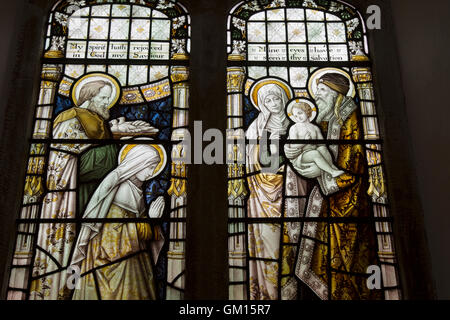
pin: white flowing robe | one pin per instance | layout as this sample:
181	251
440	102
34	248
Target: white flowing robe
265	201
55	240
102	244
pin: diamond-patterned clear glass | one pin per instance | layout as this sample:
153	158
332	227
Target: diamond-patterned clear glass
257	72
119	29
256	32
78	28
316	32
296	32
140	29
276	32
275	15
137	75
160	29
295	14
336	32
141	12
158	72
74	70
299	77
101	11
314	15
280	72
120	10
120	72
99	29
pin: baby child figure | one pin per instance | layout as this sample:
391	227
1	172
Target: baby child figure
305	130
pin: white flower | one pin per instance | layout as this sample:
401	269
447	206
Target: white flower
277	4
164	4
352	24
310	4
335	7
355	47
79	3
239	24
252	6
239	46
178	46
61	18
58	42
75	6
179	22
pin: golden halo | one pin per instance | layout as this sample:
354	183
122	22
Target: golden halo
115	95
258	85
161	151
312	84
299	100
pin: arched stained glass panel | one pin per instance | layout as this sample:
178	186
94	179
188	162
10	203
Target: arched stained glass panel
308	213
104	203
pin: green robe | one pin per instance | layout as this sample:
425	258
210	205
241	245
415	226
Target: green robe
95	164
97	161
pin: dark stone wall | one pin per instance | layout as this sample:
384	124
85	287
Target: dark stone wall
423	33
23	25
22	28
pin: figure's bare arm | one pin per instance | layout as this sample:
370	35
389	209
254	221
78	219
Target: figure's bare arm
318	133
293	133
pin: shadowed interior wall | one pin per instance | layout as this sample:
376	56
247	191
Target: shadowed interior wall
19	57
423	33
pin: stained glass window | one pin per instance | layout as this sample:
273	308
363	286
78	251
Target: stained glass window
104	203
318	224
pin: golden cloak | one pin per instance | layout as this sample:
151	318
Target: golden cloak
353	246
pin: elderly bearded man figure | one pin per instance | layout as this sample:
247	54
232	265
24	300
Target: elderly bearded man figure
352	246
89	122
67	163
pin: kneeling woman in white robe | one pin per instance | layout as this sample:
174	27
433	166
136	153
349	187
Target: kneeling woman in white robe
116	258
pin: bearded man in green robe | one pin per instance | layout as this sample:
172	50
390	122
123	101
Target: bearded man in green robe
91	120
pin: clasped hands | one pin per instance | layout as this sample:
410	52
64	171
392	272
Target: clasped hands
156	209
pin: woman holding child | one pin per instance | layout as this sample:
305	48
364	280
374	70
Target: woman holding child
270	97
